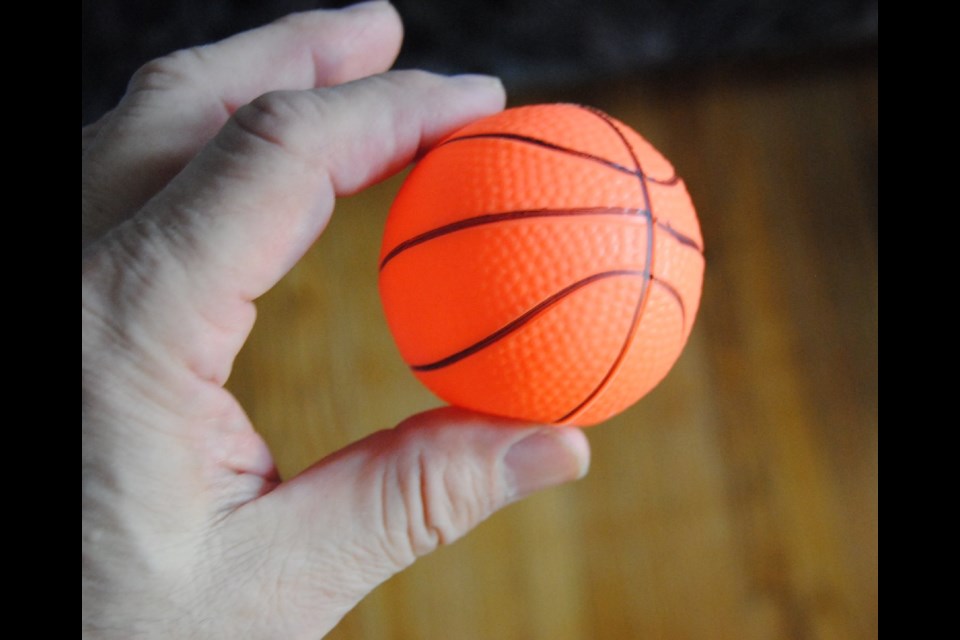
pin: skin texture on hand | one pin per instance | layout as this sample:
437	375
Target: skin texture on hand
211	178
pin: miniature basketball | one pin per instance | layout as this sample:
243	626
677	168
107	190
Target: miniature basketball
544	263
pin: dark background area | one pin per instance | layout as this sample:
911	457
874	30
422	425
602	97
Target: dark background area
530	44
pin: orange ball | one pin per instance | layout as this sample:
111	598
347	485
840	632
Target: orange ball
544	263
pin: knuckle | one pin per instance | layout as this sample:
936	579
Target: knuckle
427	506
437	501
274	118
167	72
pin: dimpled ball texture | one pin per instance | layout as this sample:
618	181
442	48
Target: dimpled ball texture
544	263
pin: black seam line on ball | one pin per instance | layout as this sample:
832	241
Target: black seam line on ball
647	210
491	218
523	319
676	295
681	238
516	137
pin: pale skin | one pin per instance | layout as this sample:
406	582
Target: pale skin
212	177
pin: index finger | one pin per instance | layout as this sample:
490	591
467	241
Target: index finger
252	202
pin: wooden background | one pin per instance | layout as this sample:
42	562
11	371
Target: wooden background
740	498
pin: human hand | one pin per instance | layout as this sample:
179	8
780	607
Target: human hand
195	202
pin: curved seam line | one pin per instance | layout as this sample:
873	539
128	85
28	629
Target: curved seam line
520	321
539	142
676	294
647	274
492	218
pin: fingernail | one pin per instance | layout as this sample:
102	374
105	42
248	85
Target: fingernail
546	458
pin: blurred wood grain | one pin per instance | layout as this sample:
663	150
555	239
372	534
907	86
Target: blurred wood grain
740	498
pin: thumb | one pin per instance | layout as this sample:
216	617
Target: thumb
370	510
